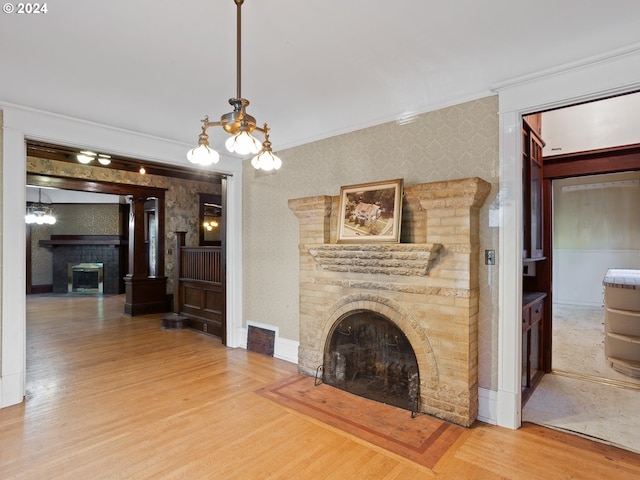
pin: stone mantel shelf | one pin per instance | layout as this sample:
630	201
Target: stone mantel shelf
390	259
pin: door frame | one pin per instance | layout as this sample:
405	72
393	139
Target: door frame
20	123
580	164
597	77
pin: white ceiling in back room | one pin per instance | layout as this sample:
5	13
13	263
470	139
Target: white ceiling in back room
606	123
55	195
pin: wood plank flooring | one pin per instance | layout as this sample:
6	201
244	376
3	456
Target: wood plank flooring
113	397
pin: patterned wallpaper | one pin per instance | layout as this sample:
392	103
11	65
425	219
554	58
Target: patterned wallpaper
86	219
455	142
181	198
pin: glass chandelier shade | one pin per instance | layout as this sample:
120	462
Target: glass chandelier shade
39	216
203	154
239	124
39	213
243	143
266	160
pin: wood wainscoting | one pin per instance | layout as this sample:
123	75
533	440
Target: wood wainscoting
199	285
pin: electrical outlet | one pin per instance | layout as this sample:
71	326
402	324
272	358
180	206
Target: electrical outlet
489	257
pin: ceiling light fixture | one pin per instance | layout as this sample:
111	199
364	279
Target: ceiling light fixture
87	157
239	124
39	213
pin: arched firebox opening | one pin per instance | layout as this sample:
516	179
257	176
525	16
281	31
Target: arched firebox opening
368	355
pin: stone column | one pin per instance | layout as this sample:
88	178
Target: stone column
452	219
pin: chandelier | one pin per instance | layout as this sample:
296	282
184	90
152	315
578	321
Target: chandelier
239	124
39	213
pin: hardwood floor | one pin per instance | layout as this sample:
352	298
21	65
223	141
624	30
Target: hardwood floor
113	397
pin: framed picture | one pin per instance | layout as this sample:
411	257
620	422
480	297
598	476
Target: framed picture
370	212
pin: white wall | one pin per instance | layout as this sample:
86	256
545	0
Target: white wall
596	226
578	274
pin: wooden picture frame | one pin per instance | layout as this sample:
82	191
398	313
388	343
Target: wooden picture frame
371	212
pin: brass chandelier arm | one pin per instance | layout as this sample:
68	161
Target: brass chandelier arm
263	130
206	123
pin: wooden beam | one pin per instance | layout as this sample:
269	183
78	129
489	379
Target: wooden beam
593	162
68	154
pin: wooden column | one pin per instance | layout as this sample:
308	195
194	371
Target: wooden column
137	261
144	294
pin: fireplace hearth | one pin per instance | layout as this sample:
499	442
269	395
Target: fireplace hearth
422	293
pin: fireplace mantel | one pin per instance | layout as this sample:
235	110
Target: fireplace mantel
388	259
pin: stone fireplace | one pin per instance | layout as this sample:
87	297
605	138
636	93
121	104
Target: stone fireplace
426	287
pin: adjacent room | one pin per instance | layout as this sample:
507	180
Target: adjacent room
595	221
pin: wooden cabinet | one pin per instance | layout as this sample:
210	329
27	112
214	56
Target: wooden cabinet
536	283
532	191
532	329
622	320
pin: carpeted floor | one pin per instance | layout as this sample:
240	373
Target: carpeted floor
585	395
423	439
594	410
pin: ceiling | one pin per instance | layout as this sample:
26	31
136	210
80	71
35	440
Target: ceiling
607	123
311	69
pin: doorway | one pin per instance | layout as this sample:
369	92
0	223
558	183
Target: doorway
139	231
595	228
592	210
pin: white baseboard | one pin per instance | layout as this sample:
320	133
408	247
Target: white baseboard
11	390
286	349
487	406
